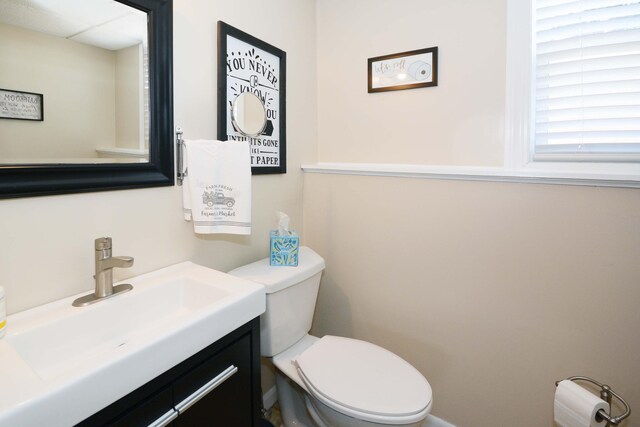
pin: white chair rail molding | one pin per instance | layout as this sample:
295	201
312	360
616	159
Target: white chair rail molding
477	173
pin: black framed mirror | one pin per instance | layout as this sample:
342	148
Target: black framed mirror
36	178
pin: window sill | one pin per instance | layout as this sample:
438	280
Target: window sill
472	173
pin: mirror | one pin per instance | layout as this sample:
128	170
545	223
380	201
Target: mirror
101	73
248	114
88	65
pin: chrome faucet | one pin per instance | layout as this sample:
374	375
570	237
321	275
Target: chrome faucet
105	263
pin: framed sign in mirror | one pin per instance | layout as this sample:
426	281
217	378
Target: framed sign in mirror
248	64
21	105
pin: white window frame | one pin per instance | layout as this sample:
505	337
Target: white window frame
519	149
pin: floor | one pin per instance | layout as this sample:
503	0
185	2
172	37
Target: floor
274	416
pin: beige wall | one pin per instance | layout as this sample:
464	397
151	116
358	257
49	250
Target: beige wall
129	103
458	122
492	290
47	250
78	85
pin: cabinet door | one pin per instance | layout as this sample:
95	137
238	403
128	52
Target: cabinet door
149	412
226	401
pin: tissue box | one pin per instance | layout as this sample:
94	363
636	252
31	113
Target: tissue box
284	249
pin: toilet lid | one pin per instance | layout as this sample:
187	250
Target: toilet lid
364	380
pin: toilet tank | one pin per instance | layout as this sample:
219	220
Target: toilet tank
291	299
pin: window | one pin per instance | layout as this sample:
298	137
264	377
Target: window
587	76
573	86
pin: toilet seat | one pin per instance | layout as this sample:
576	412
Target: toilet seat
364	381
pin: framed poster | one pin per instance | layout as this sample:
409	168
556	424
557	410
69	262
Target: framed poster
248	64
406	70
21	105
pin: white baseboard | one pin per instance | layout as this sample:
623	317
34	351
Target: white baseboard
433	421
270	397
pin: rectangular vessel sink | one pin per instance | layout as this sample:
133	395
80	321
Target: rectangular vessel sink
56	354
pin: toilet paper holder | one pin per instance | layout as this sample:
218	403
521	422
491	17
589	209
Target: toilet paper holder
607	395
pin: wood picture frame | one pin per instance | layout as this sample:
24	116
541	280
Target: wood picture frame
405	70
246	63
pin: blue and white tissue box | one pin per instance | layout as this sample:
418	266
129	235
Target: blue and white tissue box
284	249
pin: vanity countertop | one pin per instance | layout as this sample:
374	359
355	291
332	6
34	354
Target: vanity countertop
60	364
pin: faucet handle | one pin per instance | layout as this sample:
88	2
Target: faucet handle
103	243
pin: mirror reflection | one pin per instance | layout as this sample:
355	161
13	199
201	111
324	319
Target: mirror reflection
248	114
88	59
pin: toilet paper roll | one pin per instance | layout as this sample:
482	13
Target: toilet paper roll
419	70
576	407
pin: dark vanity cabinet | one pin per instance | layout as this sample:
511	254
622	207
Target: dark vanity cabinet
218	386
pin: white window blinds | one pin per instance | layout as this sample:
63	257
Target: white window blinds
587	76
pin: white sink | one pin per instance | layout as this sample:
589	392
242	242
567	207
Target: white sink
60	344
56	354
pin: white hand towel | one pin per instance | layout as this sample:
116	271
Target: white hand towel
217	186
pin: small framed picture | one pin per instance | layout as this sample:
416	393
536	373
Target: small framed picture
406	70
21	105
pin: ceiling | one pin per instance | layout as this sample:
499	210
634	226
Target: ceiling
103	23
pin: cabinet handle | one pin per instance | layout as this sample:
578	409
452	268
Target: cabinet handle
206	389
164	420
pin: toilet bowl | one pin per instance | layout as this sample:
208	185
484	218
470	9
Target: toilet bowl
330	381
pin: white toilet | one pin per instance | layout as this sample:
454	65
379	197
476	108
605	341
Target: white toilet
330	381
